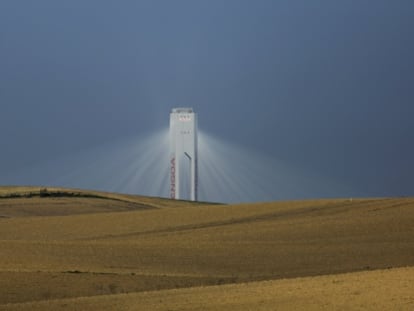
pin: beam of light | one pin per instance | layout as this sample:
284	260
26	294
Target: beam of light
136	165
140	165
230	173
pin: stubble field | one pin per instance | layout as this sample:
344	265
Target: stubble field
81	250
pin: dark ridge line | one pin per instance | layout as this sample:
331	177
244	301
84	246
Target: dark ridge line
88	272
44	193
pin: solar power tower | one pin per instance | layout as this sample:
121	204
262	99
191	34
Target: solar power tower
183	157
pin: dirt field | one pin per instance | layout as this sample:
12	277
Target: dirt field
140	253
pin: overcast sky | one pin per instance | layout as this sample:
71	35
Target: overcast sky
325	85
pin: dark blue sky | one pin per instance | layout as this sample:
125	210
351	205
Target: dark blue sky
325	85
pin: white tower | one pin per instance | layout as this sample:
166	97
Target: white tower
183	158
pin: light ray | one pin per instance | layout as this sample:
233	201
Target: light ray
140	165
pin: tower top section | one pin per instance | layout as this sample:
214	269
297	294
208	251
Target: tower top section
182	110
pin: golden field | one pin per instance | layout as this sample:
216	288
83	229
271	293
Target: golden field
83	250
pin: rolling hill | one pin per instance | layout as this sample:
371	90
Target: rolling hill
76	249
